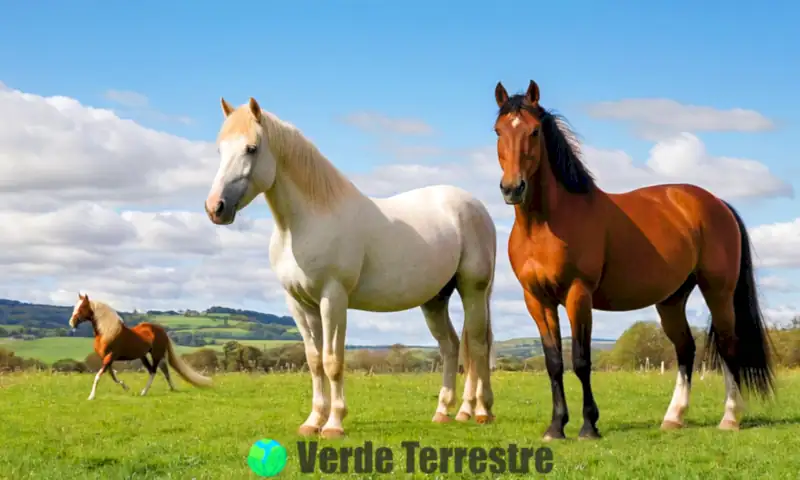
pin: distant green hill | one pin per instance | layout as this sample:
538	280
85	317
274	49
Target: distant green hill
41	331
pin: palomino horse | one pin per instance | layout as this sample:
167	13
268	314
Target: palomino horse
575	245
114	341
335	249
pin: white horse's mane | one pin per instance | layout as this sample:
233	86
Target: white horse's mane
106	320
321	182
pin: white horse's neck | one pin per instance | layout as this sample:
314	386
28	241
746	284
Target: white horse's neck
306	183
287	203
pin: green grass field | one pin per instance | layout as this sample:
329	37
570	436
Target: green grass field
177	321
50	430
51	349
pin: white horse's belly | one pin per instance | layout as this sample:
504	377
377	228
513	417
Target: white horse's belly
410	257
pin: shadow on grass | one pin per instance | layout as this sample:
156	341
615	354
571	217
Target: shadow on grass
746	423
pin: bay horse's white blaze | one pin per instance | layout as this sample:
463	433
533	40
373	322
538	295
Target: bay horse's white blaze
335	249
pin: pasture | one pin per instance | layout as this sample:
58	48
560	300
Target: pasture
51	349
50	430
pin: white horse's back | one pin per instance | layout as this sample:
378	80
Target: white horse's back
416	242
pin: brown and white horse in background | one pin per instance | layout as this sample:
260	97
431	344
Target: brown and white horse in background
114	341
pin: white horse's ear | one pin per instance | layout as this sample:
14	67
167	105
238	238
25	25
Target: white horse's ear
227	109
255	108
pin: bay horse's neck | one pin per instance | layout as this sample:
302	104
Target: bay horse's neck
546	197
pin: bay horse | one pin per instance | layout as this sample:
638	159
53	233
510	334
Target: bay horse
573	244
114	341
334	248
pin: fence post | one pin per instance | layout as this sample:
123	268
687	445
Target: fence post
662	367
703	373
647	364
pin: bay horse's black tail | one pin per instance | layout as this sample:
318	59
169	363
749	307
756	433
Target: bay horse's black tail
751	366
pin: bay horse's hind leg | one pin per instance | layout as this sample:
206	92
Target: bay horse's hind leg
441	327
162	365
151	369
672	312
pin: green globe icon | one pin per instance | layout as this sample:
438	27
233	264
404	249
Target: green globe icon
266	458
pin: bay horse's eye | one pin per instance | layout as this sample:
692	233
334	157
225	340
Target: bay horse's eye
251	149
535	133
497	132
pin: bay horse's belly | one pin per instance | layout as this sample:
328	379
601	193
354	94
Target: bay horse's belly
653	246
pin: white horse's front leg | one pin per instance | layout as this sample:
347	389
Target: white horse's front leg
438	319
310	326
333	311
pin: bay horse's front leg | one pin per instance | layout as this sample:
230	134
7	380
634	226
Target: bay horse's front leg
546	318
579	310
333	311
310	326
107	360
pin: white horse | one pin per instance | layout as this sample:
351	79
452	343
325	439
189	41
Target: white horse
333	248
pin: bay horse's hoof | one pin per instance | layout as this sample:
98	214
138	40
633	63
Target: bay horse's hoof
671	425
550	436
484	419
332	433
307	430
463	417
589	433
440	417
729	425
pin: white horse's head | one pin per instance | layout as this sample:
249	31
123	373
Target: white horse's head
247	165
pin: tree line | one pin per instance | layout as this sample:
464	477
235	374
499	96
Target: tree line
642	343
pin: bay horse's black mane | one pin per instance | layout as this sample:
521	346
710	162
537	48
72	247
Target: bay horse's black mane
563	150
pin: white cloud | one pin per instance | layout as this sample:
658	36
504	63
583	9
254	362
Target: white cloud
127	98
380	123
657	117
92	202
776	244
137	104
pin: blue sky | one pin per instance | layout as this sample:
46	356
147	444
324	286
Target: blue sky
313	63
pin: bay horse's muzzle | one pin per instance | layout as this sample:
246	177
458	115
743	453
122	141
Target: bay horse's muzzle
513	195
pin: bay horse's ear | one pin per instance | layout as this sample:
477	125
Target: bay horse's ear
255	108
227	109
533	93
500	94
80	297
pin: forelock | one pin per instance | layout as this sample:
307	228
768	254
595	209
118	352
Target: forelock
240	123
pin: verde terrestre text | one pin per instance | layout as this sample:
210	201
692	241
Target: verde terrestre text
423	459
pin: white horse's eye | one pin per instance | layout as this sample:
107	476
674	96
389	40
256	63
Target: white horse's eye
251	149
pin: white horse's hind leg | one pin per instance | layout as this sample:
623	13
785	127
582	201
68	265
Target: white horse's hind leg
438	319
310	326
476	324
333	311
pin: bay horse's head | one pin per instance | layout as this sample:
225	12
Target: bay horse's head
529	136
82	312
247	166
520	145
